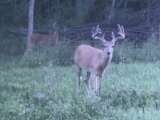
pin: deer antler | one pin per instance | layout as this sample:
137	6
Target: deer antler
121	33
97	30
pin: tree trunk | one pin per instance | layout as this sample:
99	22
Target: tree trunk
57	11
79	11
158	35
112	11
148	12
30	23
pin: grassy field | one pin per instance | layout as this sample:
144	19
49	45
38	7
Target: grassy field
129	92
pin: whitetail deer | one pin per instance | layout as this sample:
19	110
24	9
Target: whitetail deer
95	60
44	39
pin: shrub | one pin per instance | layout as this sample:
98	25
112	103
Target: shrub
58	55
149	52
62	54
11	44
124	53
127	52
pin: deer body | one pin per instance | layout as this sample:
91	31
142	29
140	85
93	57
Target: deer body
95	60
92	59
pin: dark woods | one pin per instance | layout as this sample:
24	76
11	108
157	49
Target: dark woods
81	12
74	18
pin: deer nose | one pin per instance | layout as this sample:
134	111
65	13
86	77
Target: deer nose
108	53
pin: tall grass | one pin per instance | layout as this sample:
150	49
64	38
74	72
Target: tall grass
129	91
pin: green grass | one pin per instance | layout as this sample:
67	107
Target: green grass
129	92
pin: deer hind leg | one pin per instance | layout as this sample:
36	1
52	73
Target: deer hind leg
99	86
79	71
87	79
87	82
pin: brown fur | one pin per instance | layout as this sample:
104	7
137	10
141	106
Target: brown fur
92	59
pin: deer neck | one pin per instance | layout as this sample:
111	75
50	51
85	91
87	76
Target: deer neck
107	58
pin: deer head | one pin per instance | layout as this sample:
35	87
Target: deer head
108	45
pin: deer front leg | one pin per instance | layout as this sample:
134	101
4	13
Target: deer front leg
98	83
87	82
79	70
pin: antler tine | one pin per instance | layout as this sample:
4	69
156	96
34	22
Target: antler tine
113	35
97	26
102	38
93	29
97	30
121	31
